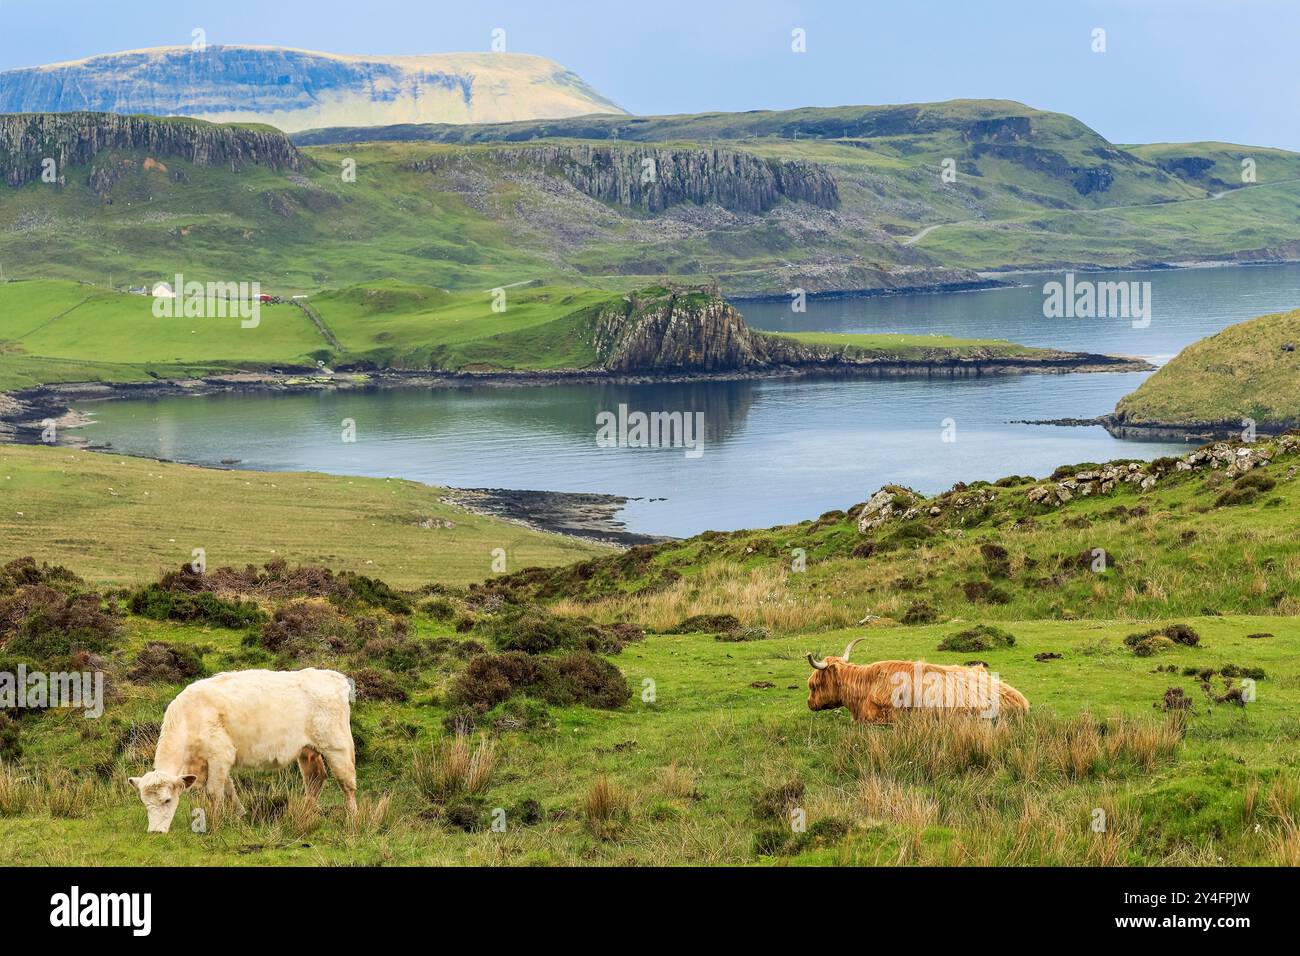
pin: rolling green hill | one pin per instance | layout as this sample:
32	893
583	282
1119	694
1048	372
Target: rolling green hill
1248	371
821	199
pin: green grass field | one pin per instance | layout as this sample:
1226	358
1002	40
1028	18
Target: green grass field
715	746
685	772
120	520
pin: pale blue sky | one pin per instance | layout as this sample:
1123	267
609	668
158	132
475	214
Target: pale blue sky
1174	69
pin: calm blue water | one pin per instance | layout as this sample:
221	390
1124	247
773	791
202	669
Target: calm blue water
775	451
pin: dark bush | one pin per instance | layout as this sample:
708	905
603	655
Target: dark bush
1171	633
159	604
372	684
706	624
42	623
21	572
584	678
1175	699
920	612
775	803
578	678
982	592
397	652
371	592
305	627
533	630
160	662
1245	489
491	678
527	812
997	560
440	609
466	813
981	637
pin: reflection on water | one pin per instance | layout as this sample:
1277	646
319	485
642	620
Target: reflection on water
775	450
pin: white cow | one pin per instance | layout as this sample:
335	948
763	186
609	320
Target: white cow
250	719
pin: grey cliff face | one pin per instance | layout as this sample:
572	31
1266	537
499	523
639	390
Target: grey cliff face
76	139
655	178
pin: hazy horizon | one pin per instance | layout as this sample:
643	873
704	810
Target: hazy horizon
1173	70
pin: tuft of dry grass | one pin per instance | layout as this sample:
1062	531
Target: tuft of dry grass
17	792
605	801
925	746
372	816
763	595
678	782
68	797
453	768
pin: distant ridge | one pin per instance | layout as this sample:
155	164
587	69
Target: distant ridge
299	89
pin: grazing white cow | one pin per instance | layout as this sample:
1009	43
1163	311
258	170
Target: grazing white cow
250	719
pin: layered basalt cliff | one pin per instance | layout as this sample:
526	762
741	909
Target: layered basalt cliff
27	140
655	178
676	329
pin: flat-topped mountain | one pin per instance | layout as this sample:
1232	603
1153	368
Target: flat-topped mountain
298	89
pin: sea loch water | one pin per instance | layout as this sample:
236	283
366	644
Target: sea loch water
774	451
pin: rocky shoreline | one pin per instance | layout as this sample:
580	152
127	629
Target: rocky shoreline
577	514
24	412
1165	431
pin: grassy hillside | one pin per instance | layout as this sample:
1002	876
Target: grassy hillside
118	520
465	213
693	744
1250	370
59	331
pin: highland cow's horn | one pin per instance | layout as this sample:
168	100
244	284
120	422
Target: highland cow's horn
820	665
853	643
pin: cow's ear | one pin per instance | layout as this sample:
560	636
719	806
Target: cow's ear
188	780
134	781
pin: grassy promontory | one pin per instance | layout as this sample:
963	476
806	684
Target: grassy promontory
55	331
1247	372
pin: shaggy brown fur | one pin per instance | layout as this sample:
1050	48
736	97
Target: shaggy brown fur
872	692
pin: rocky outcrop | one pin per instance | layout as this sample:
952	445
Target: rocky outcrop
73	140
1085	179
676	329
654	178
